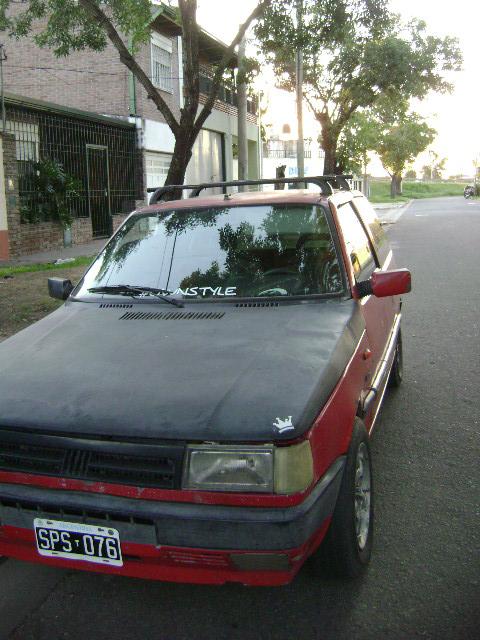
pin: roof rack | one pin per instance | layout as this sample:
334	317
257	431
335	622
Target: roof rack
326	183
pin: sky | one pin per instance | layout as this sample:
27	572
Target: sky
455	116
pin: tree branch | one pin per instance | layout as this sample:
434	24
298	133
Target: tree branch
227	56
129	61
310	104
191	66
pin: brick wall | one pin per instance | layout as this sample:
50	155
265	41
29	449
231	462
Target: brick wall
87	80
24	239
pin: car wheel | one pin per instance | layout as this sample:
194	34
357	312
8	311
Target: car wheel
347	547
396	372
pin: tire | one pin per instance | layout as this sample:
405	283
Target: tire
396	372
347	547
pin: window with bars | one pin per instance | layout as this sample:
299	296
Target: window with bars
162	63
26	140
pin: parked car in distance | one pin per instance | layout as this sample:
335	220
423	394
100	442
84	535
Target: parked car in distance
200	408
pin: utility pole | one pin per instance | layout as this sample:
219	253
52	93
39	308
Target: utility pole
3	57
299	82
242	115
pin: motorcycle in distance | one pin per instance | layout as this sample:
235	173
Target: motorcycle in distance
469	192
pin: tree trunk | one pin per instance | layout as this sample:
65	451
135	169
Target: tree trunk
182	154
396	185
329	145
393	187
330	165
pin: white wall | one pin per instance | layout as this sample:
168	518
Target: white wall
157	136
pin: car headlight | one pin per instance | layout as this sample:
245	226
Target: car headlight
265	468
225	468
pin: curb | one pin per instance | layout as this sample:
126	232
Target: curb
391	214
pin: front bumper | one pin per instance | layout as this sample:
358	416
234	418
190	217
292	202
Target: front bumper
179	541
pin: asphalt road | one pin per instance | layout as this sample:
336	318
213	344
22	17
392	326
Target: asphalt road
424	580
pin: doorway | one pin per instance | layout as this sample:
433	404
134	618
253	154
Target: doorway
99	190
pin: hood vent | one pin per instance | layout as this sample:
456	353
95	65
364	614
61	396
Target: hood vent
256	304
114	305
172	315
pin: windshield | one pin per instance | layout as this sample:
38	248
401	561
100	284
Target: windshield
231	252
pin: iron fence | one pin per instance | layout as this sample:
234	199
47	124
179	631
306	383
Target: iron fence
284	153
42	134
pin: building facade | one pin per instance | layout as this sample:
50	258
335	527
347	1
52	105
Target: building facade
98	82
92	162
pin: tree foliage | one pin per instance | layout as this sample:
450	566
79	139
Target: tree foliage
426	172
400	143
358	138
355	53
52	194
65	26
392	131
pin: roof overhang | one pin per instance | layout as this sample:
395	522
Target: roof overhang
166	20
14	100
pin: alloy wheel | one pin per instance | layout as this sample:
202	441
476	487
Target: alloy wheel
363	488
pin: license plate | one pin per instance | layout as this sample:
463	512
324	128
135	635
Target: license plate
77	541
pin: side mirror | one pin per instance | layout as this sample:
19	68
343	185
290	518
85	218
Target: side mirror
386	283
59	288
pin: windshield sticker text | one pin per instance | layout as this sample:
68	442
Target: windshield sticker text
204	291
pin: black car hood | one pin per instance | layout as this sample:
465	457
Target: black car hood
84	370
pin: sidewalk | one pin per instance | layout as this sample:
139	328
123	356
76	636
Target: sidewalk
61	253
390	212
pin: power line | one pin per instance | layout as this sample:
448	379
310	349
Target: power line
104	73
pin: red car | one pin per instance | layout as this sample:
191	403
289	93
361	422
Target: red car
199	409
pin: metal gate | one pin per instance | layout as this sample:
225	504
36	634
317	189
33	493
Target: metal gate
99	190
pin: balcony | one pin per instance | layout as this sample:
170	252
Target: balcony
281	150
284	153
227	95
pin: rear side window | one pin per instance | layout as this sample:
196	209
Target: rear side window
367	213
357	243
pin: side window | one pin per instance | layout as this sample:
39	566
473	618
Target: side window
367	213
357	243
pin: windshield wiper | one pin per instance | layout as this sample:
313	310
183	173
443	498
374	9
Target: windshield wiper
133	291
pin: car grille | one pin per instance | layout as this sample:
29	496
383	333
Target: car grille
145	465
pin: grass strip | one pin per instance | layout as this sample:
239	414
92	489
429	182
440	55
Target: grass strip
44	266
380	190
